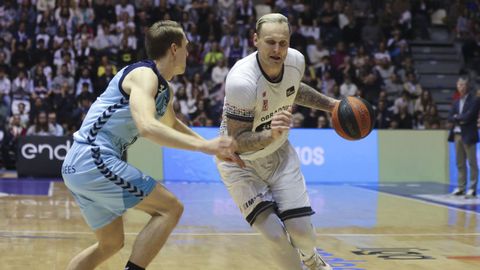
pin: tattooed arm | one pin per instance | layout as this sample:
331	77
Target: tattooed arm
249	140
309	97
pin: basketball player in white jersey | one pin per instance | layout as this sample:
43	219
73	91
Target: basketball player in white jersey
270	191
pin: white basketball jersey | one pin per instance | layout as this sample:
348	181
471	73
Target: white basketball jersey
251	97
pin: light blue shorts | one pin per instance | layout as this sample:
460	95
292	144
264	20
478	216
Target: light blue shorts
103	185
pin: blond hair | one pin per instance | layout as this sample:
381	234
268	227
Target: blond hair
271	18
160	36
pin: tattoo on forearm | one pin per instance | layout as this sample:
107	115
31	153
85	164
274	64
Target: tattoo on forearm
253	141
309	97
247	139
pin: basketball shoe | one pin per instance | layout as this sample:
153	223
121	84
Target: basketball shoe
470	194
316	263
457	192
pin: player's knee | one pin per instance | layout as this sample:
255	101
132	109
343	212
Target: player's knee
299	229
276	237
172	208
112	245
177	209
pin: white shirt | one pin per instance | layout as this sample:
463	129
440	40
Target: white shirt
219	74
251	97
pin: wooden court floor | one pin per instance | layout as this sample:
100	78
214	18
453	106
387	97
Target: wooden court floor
358	228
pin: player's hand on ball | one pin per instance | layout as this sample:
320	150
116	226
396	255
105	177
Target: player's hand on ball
281	122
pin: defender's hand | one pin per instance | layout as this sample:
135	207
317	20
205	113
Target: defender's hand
224	147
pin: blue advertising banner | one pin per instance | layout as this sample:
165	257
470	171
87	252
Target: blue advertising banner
453	166
324	155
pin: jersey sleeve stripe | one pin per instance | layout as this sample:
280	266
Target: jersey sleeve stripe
239	117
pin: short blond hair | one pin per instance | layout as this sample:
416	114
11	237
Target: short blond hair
160	36
271	18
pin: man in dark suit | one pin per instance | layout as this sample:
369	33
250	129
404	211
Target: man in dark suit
464	133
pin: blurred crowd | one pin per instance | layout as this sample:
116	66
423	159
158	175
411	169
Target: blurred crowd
57	56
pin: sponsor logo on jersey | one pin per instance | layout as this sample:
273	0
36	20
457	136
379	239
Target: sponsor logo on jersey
264	126
265	105
270	115
290	91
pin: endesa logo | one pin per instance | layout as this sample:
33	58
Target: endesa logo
33	150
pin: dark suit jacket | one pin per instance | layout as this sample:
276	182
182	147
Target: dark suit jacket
467	119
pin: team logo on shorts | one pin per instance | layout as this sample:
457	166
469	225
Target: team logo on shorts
252	201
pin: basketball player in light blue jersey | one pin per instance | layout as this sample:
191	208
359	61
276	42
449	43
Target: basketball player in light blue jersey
137	102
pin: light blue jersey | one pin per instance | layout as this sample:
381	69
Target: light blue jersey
103	185
109	123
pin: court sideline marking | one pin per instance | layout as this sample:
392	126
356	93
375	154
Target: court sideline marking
419	200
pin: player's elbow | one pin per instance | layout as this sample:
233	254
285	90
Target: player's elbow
145	128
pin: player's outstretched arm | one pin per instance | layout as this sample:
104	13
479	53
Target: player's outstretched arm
141	85
229	155
309	97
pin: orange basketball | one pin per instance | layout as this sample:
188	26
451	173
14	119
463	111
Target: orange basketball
353	118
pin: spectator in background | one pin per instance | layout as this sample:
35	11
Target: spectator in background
83	52
361	57
322	122
20	54
464	133
212	57
236	51
371	33
84	80
21	83
124	7
64	16
348	88
219	73
52	120
41	126
404	100
431	117
404	117
13	131
83	13
63	77
40	52
125	55
103	80
4	113
423	102
39	83
43	5
383	115
104	64
412	86
85	92
62	101
394	87
316	51
5	87
297	120
23	114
